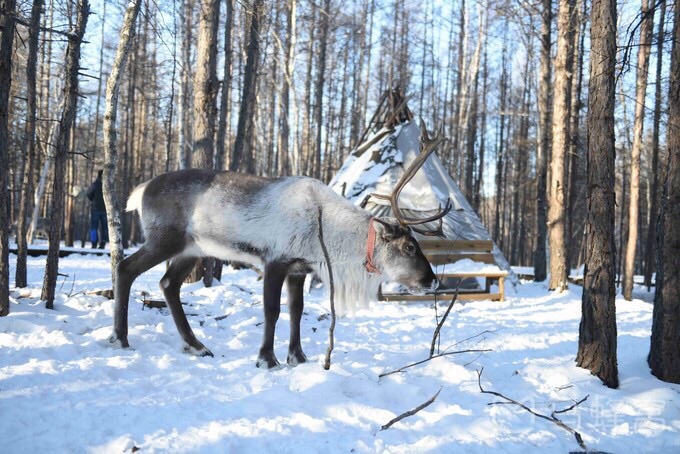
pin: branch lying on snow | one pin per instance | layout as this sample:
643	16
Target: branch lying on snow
435	336
438	355
552	418
406	414
329	350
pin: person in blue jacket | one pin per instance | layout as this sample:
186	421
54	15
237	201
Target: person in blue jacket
97	213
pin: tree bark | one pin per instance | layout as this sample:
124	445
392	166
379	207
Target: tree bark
111	196
654	208
205	107
242	157
597	331
319	86
29	166
644	48
560	146
6	43
543	148
220	146
664	354
68	113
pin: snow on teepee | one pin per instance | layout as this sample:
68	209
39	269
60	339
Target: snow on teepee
376	165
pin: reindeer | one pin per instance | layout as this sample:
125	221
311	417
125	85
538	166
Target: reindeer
273	223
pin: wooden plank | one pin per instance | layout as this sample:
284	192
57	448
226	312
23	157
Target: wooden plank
442	297
457	245
442	257
492	274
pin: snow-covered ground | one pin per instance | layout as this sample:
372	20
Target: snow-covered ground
62	389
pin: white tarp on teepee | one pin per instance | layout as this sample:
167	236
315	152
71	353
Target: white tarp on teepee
376	169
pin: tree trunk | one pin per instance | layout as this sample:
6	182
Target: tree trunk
597	331
560	146
644	48
6	43
220	146
319	86
205	108
113	211
543	148
288	164
242	157
664	354
183	114
653	211
72	66
29	166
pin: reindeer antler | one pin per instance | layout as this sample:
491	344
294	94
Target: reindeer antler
427	146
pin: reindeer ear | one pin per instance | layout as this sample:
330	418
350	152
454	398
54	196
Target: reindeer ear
388	231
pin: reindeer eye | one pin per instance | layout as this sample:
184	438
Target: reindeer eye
410	248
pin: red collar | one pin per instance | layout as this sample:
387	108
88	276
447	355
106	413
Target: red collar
370	247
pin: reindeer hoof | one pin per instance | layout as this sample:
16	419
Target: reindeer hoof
296	357
267	361
117	342
198	351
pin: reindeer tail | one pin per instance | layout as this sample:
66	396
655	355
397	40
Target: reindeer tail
134	202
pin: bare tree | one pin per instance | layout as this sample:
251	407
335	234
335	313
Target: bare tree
242	158
68	113
644	48
664	354
205	106
27	186
220	141
319	85
560	146
654	208
543	149
597	331
113	212
7	8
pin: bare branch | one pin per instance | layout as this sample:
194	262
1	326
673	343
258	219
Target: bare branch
412	412
441	322
439	355
550	418
331	329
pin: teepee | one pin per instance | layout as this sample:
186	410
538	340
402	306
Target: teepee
376	165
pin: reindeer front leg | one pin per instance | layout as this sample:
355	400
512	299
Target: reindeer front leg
296	283
274	275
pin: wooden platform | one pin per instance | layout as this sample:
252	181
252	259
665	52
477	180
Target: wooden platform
440	252
37	251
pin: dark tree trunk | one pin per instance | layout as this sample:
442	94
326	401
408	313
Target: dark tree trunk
6	41
68	114
654	209
242	158
664	354
221	141
29	166
597	331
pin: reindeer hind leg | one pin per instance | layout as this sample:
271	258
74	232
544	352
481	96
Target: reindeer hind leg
170	284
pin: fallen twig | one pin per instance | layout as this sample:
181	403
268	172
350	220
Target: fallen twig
552	418
406	414
331	329
438	355
435	336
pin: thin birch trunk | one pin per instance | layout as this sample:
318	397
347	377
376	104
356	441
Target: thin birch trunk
644	48
113	211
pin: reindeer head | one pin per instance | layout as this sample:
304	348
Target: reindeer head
400	256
